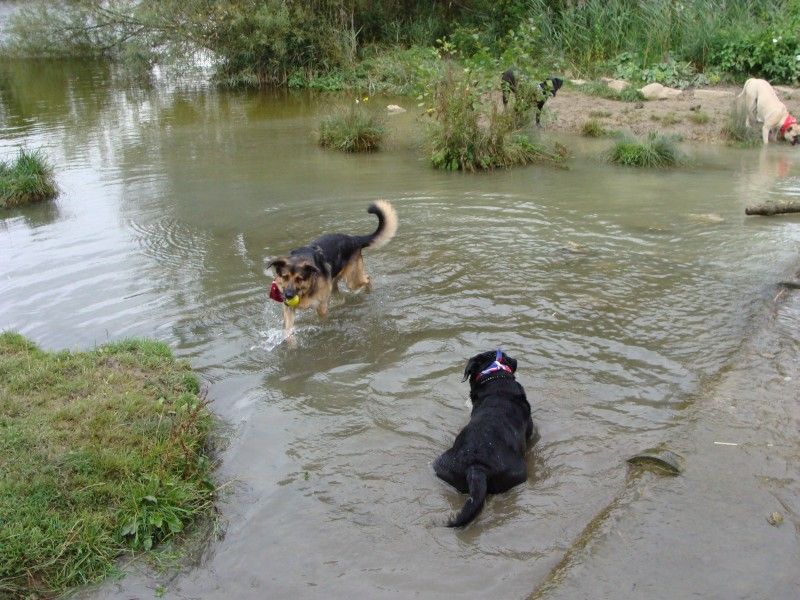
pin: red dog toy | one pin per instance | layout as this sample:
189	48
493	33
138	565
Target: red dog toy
275	293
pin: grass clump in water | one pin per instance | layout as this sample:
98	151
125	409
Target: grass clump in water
353	129
593	128
469	131
27	179
101	453
656	151
736	131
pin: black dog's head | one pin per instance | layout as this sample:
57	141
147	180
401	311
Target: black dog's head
483	361
551	85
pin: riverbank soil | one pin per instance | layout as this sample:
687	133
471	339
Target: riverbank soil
683	115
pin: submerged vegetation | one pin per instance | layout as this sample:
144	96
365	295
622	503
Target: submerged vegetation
102	453
392	45
655	151
468	131
353	129
29	178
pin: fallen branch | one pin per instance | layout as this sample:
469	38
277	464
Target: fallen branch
773	208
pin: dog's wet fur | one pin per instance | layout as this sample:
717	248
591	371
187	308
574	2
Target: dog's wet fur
549	88
488	455
313	272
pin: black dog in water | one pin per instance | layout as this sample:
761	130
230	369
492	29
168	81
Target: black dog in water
549	87
489	453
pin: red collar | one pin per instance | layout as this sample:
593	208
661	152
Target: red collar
790	120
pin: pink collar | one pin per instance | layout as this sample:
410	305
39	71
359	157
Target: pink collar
790	120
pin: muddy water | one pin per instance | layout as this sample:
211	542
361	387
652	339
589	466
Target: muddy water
630	300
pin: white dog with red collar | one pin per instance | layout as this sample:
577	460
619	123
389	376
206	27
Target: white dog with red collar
764	106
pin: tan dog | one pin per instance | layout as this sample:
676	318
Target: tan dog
763	106
307	276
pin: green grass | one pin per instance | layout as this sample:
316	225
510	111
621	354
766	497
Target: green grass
27	179
353	129
699	118
592	128
101	453
655	151
735	131
600	89
670	118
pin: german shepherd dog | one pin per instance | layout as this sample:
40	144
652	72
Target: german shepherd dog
548	87
308	275
489	453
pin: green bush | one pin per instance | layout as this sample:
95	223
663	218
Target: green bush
593	129
27	179
101	453
353	129
654	152
772	54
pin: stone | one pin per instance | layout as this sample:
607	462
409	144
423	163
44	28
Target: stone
617	84
656	91
394	109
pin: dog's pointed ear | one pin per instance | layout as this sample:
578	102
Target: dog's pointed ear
278	265
472	367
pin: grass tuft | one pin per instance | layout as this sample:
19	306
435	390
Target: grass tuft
27	179
735	130
353	129
656	151
102	453
699	117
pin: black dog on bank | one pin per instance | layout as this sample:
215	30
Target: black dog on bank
549	87
489	453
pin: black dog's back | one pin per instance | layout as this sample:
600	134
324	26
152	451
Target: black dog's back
549	87
488	455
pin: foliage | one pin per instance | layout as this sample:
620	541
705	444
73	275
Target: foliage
629	66
353	129
592	128
470	132
102	452
653	152
772	53
27	179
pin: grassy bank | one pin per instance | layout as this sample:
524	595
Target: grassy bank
28	178
101	453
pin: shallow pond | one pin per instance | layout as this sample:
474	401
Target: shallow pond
624	295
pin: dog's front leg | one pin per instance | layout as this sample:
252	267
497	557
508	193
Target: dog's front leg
765	133
288	321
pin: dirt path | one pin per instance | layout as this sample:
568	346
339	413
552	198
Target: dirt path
683	115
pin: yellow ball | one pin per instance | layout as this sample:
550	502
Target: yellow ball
294	301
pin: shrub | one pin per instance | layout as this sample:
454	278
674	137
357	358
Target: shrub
353	129
103	452
28	179
654	151
469	132
593	129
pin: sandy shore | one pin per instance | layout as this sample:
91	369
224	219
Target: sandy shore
570	109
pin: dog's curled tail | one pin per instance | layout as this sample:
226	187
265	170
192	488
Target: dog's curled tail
387	224
476	482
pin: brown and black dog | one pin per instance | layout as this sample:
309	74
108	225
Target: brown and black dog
308	275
